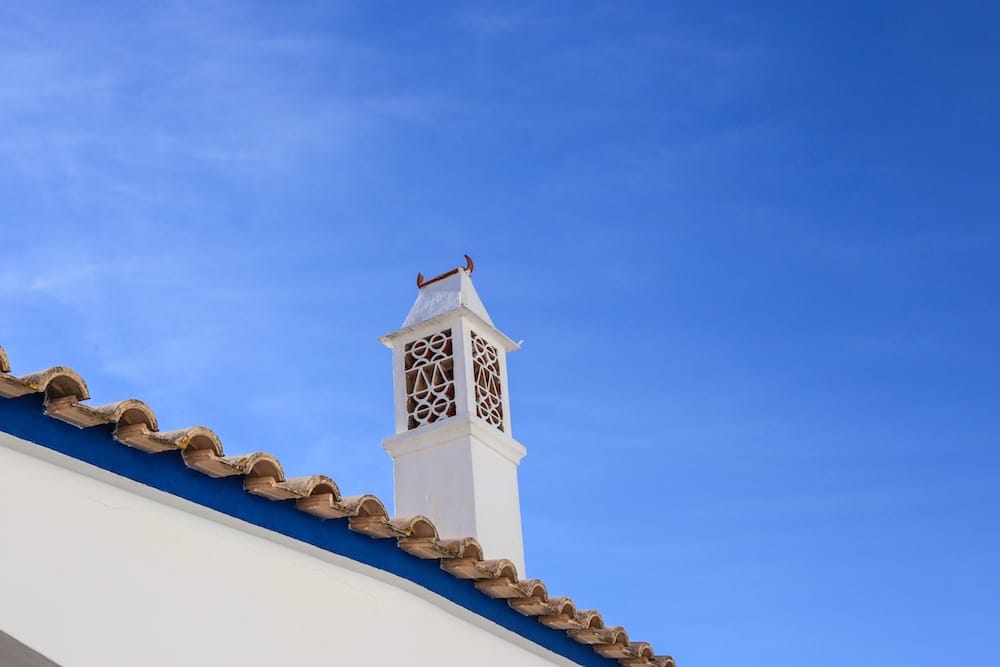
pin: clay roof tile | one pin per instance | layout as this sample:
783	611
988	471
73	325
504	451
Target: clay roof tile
311	485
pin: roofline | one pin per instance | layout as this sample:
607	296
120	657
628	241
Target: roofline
44	413
25	417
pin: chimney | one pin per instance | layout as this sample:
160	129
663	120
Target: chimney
454	459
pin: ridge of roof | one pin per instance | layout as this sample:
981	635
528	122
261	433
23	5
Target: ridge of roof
135	425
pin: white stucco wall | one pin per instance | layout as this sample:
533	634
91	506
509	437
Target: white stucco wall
98	570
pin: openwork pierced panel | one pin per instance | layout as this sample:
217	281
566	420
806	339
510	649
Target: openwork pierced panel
429	365
486	372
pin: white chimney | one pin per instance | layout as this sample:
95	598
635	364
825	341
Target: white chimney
454	459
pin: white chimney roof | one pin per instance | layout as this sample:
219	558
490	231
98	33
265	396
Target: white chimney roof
440	297
445	295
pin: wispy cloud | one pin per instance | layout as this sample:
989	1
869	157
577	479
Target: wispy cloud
220	91
493	22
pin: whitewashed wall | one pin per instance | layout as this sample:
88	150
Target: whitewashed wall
98	570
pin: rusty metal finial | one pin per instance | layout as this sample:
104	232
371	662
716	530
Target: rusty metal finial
469	266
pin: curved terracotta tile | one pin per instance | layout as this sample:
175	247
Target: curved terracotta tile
562	614
322	505
533	588
641	650
135	425
365	505
463	547
416	527
201	448
534	600
130	412
366	514
256	464
58	382
590	619
312	485
194	438
262	475
468	568
609	642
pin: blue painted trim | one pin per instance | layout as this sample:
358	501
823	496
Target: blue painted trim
25	418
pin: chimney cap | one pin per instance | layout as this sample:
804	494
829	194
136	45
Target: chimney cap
469	266
443	297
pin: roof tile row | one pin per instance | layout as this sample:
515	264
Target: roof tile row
136	426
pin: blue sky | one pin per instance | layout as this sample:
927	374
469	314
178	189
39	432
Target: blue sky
752	249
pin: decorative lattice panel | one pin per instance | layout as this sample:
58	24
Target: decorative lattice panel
486	372
429	365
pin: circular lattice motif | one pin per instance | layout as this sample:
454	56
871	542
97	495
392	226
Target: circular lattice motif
431	407
428	350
